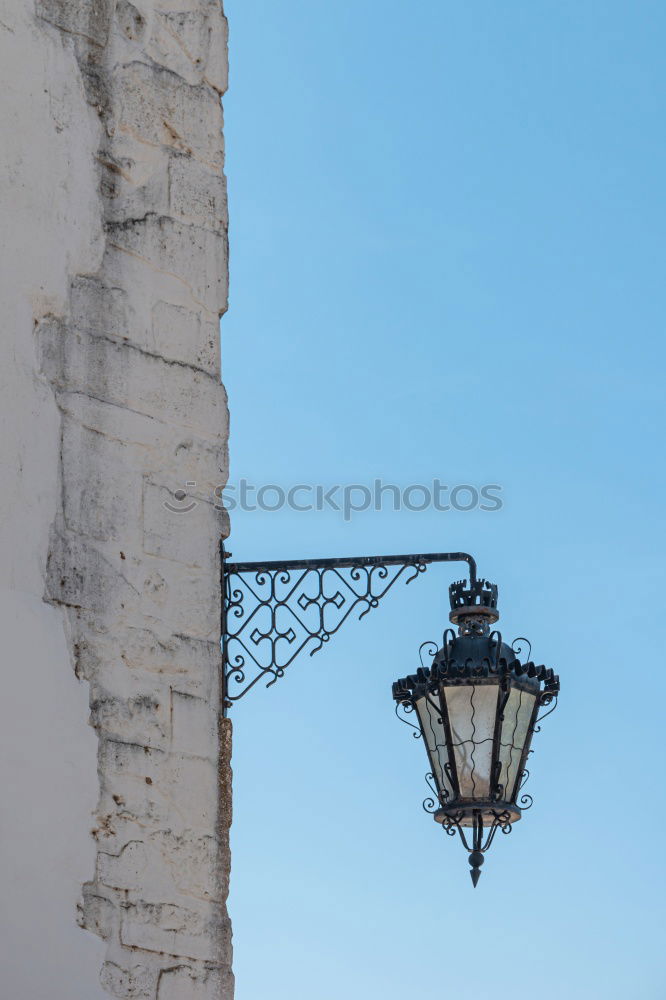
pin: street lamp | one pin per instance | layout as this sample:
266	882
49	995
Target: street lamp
476	706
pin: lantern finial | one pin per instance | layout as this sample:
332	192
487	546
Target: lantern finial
475	860
479	598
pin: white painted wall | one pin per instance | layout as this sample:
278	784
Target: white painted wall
113	277
51	228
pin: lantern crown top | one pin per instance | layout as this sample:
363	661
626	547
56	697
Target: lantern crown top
478	599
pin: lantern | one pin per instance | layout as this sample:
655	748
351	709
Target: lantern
476	708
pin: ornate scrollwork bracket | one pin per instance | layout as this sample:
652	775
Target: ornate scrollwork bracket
271	611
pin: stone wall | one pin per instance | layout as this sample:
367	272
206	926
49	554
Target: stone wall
123	357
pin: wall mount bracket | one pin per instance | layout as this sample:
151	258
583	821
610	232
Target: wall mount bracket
271	611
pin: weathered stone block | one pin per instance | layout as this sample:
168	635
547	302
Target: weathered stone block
195	465
142	718
132	759
100	309
192	782
50	334
174	791
217	67
175	930
157	439
138	658
180	597
157	107
171	331
126	870
180	41
191	663
78	17
79	575
125	376
194	725
106	503
196	194
192	860
190	255
133	187
180	529
186	335
126	809
97	913
201	984
135	793
138	982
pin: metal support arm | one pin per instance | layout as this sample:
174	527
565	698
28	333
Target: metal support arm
273	610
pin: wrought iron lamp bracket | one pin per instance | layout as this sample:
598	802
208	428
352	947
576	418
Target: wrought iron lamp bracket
271	611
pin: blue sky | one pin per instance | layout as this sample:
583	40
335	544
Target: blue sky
447	258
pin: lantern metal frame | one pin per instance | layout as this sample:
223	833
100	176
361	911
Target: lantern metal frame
272	611
495	664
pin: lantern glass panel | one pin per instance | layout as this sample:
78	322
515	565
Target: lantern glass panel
433	730
515	730
472	710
